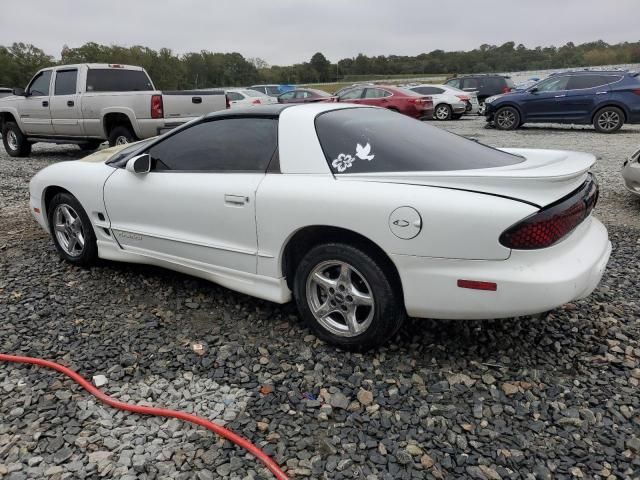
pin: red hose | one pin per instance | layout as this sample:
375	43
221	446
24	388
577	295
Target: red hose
158	412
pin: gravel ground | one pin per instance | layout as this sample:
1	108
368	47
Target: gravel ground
553	396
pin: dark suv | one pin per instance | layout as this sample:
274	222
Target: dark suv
605	99
485	85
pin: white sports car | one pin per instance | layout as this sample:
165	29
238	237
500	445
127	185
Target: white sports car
361	215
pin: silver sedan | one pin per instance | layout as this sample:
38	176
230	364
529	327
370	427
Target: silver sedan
631	173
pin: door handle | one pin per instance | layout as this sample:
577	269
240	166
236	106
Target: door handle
45	103
601	93
559	96
196	99
235	200
70	103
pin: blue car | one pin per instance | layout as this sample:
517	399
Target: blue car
607	100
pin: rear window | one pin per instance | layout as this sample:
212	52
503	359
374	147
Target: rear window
273	91
363	140
117	80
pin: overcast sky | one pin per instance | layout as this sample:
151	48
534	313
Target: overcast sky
290	31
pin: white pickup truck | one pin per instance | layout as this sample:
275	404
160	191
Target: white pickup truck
87	104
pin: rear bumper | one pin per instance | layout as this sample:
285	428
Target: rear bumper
528	282
631	176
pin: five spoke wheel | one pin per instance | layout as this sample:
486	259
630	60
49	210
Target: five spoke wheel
69	230
340	298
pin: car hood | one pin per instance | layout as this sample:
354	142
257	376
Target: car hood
103	155
544	177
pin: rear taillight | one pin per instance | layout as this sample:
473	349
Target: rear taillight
465	98
553	223
636	91
506	90
256	101
227	101
156	106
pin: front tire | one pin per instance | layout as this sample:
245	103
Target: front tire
507	118
442	112
71	230
15	143
121	135
346	298
608	120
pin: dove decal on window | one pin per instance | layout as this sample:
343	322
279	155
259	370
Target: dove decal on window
345	160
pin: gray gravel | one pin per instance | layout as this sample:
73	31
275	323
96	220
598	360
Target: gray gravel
554	396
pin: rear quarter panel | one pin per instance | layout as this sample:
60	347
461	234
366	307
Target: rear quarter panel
455	224
136	105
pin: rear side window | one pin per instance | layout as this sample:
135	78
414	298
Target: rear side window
455	83
234	96
363	140
428	90
590	81
66	82
117	80
376	93
231	144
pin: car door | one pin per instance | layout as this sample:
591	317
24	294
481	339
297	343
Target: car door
235	99
584	92
66	114
544	101
196	207
376	97
352	96
34	109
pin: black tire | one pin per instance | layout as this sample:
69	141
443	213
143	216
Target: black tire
15	143
120	135
380	322
442	112
88	254
608	120
90	146
506	118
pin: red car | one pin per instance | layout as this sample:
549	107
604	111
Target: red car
306	95
394	98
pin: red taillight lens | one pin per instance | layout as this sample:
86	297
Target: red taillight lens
156	106
506	90
636	91
553	223
256	101
465	98
227	101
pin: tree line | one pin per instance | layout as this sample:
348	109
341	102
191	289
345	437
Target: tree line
205	69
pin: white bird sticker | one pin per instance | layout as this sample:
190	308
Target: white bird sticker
363	152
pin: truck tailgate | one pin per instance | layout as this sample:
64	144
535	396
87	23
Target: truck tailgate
187	104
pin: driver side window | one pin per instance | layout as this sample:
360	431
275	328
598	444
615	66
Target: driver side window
226	145
553	84
39	86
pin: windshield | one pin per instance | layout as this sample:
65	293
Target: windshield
365	140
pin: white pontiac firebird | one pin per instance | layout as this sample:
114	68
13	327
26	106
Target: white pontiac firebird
363	216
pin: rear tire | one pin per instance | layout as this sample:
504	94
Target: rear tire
15	143
121	135
71	230
608	120
90	146
507	118
442	112
346	298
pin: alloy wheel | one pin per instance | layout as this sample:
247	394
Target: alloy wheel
609	120
122	140
340	298
12	140
506	119
69	230
442	112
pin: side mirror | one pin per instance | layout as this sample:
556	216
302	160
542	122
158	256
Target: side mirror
139	164
533	90
19	92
